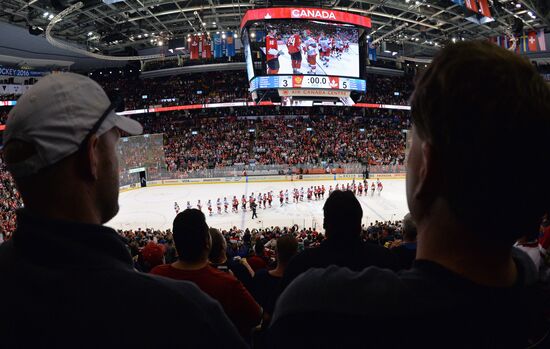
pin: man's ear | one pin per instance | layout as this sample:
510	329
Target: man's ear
90	159
429	175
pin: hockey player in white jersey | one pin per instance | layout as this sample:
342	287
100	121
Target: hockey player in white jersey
311	50
324	42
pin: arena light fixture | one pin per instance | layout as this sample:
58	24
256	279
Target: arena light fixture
46	14
160	43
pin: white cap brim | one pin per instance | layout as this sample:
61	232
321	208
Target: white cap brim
126	124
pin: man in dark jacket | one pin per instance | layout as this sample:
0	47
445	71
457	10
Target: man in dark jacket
68	281
343	246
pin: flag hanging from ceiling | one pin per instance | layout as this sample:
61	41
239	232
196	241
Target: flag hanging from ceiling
194	47
217	45
230	44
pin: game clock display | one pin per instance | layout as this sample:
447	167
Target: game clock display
307	81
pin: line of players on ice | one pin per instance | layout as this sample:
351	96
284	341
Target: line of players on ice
323	45
266	199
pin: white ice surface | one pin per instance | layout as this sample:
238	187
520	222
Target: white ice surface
153	207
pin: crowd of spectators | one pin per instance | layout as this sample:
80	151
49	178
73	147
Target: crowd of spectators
10	200
197	88
227	86
195	143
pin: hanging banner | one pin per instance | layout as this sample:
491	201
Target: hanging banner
7	71
230	44
217	46
206	48
194	47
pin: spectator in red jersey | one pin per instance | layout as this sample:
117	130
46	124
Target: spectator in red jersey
150	256
193	243
258	260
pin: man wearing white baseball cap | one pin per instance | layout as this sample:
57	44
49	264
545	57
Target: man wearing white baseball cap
70	280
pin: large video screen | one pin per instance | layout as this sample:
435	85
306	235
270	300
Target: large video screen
290	47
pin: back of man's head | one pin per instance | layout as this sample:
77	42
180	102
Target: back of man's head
259	248
485	114
191	235
342	216
287	247
217	252
409	228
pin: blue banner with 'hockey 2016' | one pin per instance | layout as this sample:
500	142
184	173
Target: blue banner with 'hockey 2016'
218	49
230	44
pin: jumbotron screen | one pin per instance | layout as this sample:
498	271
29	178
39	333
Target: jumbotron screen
304	48
310	47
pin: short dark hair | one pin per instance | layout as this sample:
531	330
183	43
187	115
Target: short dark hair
484	109
287	247
409	228
259	248
342	215
190	234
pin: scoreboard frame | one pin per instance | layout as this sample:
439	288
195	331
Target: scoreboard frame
263	83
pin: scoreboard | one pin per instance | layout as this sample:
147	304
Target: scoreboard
307	82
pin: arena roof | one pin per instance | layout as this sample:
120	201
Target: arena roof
415	27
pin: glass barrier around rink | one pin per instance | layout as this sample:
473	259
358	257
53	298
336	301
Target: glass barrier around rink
145	151
273	170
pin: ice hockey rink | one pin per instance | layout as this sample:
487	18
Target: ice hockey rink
153	207
348	65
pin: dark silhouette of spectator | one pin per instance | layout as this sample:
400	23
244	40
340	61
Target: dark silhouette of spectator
70	281
343	245
266	282
257	261
193	243
405	252
476	107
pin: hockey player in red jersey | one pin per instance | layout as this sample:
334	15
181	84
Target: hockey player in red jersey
243	202
272	52
293	43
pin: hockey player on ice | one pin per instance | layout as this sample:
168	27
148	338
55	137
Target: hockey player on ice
311	49
339	44
293	44
272	52
324	42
